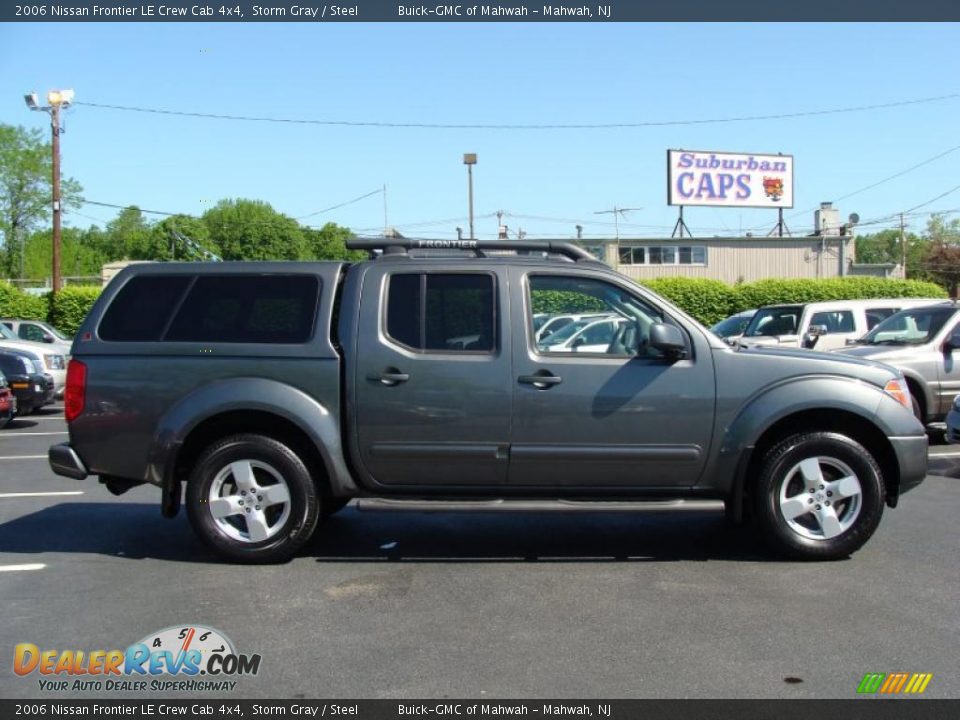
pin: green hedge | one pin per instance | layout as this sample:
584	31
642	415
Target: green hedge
709	301
71	305
769	292
15	303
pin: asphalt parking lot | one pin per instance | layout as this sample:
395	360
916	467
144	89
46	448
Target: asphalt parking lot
516	605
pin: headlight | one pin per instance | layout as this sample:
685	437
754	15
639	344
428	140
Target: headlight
54	362
897	389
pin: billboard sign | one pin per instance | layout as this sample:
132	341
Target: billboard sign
719	179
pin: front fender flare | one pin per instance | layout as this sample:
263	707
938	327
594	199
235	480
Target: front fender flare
797	395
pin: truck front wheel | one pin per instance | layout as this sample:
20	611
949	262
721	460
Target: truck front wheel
819	496
251	498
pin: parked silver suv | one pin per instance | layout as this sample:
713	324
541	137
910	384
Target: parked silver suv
923	344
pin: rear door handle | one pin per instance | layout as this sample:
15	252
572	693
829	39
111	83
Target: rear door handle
542	380
389	377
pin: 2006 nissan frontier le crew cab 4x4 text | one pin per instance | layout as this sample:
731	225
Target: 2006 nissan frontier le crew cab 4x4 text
266	395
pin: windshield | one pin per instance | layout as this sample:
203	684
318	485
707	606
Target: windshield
910	327
731	326
780	320
58	334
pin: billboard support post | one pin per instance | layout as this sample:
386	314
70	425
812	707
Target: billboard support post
681	226
780	226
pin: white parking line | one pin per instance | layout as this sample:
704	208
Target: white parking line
23	457
40	494
27	566
14	433
47	417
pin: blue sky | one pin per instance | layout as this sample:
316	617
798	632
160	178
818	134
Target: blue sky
535	73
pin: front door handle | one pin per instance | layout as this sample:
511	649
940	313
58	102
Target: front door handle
543	380
389	377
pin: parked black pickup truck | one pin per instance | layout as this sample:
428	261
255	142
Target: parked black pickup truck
276	392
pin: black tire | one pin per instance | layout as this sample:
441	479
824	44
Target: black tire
917	411
783	487
284	525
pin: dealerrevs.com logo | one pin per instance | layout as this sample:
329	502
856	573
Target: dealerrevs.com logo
185	658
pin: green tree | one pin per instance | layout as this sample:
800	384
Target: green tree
78	257
329	243
884	247
179	237
126	235
942	259
253	230
25	190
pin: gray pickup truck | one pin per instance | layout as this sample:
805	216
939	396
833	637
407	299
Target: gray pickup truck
265	396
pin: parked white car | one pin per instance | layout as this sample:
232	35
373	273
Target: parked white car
51	358
584	336
558	322
822	325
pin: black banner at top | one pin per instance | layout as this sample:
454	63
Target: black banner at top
597	11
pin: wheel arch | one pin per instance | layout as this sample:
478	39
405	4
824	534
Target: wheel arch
239	405
821	404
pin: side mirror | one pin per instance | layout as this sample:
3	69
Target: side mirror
817	330
47	338
952	343
578	342
668	339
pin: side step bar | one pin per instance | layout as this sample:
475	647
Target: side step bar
567	506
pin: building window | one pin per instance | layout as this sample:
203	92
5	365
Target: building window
633	256
664	255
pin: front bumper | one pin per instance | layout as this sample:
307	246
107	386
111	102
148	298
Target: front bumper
65	461
911	455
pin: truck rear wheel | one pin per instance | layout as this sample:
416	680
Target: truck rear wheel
819	496
251	498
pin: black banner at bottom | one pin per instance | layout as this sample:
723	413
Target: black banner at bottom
854	709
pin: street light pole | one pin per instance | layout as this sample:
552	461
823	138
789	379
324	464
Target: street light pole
57	100
55	128
470	159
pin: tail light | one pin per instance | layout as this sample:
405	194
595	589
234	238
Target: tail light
75	394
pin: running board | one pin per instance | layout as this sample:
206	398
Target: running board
568	506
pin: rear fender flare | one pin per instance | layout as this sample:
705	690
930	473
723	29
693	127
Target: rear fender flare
316	421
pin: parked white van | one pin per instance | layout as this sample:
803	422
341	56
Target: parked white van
822	325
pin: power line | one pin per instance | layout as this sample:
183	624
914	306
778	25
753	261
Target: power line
520	126
923	204
876	184
343	204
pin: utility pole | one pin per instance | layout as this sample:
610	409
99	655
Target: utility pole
903	248
385	225
57	99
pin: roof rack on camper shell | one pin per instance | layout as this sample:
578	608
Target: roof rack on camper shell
402	246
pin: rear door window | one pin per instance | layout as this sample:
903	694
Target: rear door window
442	312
